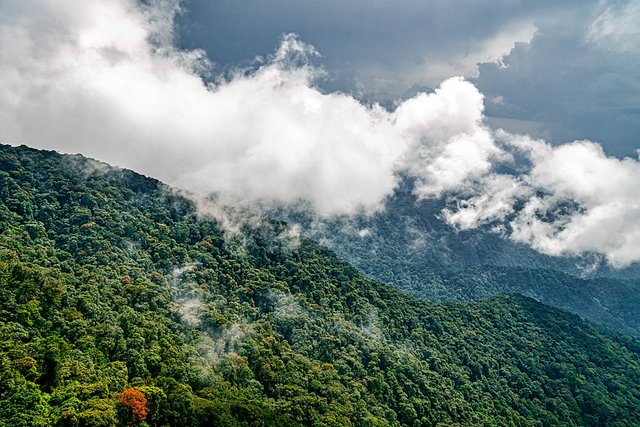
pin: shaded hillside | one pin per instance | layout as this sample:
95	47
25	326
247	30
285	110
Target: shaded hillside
411	248
111	286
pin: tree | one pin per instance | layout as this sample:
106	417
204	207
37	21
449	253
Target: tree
135	401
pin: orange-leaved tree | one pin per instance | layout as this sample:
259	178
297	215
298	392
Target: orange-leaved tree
136	401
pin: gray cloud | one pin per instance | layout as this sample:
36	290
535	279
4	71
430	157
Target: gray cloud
372	48
576	79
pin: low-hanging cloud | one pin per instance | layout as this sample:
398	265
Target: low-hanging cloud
105	79
449	145
572	199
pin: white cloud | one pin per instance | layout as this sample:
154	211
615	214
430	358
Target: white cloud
605	190
574	200
450	145
493	203
103	79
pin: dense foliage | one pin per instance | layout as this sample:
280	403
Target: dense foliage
410	247
119	305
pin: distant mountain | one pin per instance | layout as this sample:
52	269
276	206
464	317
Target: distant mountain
409	246
120	305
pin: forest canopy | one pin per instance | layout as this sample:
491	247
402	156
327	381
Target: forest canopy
121	305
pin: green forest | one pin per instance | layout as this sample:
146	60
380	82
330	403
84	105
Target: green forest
121	304
410	247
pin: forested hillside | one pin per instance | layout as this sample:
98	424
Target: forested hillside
409	246
120	305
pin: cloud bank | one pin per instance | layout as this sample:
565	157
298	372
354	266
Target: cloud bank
105	79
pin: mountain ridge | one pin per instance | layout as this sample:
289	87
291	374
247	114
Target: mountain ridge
109	282
408	246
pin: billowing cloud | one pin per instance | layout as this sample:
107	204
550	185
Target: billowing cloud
450	145
573	199
107	81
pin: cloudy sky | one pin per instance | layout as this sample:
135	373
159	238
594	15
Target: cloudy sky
331	103
562	70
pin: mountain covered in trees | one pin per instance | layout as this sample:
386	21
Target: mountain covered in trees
409	246
120	304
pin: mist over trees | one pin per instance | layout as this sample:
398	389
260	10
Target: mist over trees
120	304
410	246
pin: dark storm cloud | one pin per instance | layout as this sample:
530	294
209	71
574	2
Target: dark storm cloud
379	47
577	79
570	81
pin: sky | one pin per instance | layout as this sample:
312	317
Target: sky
562	70
524	117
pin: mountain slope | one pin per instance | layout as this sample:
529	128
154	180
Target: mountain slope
411	248
110	282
